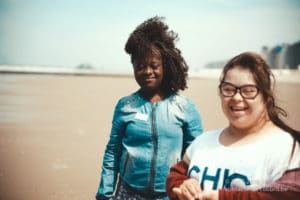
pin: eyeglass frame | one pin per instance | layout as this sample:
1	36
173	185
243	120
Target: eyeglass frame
238	89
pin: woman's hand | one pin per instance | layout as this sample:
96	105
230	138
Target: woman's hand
188	190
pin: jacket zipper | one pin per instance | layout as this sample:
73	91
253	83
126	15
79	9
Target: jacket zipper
153	161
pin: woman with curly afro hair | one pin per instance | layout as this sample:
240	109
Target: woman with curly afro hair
153	126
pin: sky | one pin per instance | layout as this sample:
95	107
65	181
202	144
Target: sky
67	33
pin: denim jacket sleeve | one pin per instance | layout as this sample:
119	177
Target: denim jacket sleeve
193	125
110	165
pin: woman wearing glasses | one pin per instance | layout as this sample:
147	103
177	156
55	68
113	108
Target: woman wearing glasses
256	157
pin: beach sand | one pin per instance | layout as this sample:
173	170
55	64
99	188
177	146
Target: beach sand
54	128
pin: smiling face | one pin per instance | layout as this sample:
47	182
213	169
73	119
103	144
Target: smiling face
243	113
148	73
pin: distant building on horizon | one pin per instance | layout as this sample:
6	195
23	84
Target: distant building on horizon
285	56
282	56
215	65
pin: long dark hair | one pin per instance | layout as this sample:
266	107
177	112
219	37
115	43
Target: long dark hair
154	35
263	76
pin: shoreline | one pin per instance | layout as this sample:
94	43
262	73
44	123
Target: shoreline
282	75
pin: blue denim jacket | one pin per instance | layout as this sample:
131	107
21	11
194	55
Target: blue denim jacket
146	139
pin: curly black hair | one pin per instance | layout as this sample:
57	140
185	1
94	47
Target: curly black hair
152	35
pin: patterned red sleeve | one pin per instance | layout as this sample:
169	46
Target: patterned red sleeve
255	195
287	187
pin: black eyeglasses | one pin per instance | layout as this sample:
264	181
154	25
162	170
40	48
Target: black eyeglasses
246	91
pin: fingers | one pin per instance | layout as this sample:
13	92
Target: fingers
188	195
188	190
191	188
182	195
178	193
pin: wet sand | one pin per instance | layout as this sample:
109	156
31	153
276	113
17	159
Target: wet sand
54	128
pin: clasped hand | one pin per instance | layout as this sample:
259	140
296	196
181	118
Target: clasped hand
190	190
